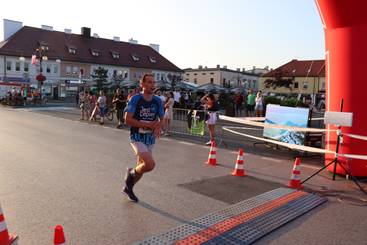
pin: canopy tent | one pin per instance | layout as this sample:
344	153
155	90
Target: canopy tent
211	88
185	86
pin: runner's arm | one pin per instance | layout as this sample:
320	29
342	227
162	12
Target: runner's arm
139	124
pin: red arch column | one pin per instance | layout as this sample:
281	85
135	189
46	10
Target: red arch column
345	25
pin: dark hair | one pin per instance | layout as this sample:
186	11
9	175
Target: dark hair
212	97
171	93
146	75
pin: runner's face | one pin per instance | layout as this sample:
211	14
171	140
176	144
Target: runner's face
148	85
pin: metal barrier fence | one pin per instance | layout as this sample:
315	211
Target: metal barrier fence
192	122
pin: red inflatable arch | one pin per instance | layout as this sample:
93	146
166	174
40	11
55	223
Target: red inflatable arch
345	25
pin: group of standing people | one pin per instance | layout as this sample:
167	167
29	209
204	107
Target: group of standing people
254	104
91	106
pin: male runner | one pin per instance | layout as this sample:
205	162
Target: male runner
144	114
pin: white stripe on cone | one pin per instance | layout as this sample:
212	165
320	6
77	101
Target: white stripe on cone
2	226
295	177
239	166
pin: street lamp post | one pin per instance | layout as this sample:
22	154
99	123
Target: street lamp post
40	77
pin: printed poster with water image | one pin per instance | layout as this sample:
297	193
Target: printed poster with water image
289	116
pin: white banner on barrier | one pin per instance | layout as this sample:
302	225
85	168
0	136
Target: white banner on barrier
245	120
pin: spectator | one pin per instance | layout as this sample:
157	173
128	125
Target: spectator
238	100
119	103
212	107
176	98
251	100
84	105
92	106
259	104
102	103
168	114
161	96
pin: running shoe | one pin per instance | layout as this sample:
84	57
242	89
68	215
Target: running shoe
130	194
129	179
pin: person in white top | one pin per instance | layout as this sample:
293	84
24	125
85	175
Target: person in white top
161	96
259	104
102	102
168	113
176	98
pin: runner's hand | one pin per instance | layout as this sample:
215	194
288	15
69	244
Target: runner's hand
153	125
157	132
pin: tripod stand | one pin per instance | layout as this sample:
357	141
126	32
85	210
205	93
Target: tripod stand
335	160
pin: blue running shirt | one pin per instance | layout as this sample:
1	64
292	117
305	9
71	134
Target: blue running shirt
143	110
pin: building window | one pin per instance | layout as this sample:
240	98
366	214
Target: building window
75	70
56	69
68	70
224	82
26	66
158	77
296	85
115	55
195	81
72	50
8	65
195	74
305	85
323	86
135	57
95	53
211	80
187	74
203	73
48	68
152	59
212	73
17	66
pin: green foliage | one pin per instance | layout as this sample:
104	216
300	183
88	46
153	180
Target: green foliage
100	77
272	100
291	102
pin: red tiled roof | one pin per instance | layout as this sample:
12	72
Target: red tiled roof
299	68
27	40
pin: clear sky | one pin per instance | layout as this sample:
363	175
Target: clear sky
236	33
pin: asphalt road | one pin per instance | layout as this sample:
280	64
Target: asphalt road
57	170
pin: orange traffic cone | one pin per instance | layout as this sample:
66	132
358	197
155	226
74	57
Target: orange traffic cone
295	181
212	159
59	238
5	238
239	169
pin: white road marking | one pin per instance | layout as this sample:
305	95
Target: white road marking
185	143
271	159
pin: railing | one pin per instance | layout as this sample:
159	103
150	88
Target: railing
192	122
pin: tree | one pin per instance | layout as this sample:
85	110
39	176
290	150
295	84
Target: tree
100	77
279	81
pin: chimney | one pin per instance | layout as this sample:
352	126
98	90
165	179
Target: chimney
11	27
225	67
218	66
47	28
95	35
200	67
205	67
155	47
116	39
67	31
85	31
238	69
243	69
131	40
